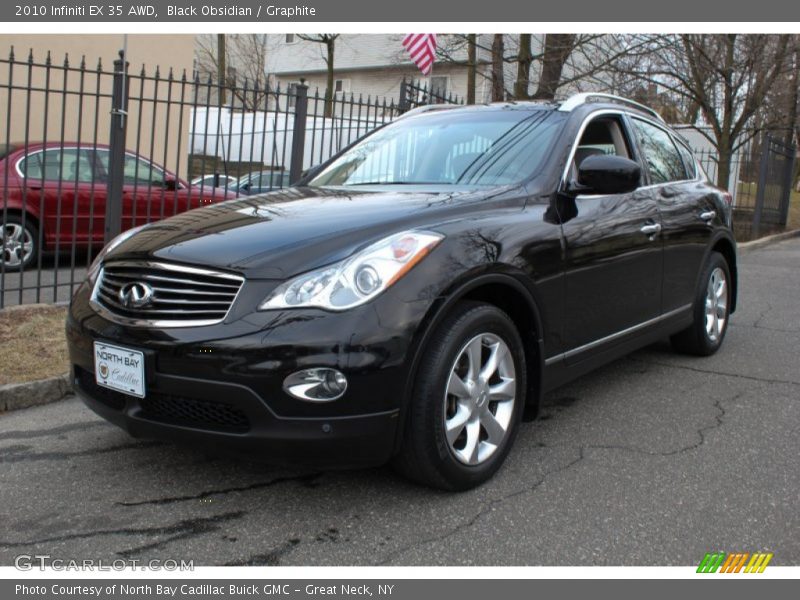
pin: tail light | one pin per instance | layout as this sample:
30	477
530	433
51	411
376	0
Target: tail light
728	198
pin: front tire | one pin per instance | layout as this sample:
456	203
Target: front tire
711	311
467	400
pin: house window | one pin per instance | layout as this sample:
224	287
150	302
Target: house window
341	87
290	39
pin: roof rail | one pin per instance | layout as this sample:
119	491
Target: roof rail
578	99
428	108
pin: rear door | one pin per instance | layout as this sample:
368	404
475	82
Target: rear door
63	185
687	207
613	258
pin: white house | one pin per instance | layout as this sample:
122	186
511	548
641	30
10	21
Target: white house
372	65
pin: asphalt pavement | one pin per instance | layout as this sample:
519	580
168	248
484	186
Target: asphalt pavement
655	459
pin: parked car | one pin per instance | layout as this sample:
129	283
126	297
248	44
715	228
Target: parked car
411	297
58	191
260	182
214	180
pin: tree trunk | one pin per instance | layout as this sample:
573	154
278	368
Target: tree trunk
524	60
498	79
472	66
724	165
331	46
557	48
793	94
221	74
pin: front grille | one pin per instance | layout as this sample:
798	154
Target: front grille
204	414
170	409
176	295
87	383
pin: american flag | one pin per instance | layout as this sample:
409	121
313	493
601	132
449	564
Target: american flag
422	49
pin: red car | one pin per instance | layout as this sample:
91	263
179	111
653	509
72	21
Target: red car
61	190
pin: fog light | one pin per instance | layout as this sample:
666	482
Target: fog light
316	385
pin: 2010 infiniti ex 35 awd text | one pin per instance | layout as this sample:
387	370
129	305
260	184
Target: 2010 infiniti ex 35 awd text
409	299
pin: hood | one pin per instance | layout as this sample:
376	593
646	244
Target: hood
280	234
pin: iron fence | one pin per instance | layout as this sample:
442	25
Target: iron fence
87	151
760	180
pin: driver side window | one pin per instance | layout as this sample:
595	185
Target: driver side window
603	136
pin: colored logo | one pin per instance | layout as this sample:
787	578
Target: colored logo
104	370
734	562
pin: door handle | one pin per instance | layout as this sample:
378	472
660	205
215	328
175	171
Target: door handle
651	229
708	215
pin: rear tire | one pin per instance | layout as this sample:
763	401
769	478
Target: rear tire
467	400
19	246
711	311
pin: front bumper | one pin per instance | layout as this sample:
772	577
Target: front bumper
221	386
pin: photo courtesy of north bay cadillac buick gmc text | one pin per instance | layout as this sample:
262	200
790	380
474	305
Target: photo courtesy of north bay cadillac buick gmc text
410	300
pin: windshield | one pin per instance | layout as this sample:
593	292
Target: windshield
475	148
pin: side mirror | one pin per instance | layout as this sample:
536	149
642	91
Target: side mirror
608	174
171	184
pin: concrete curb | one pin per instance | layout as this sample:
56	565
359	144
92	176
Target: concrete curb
770	239
14	396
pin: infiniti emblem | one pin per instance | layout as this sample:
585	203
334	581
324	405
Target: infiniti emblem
135	295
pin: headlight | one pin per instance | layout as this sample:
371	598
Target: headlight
94	269
357	279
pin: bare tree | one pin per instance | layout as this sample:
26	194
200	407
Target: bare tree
524	61
241	62
498	76
328	40
725	78
472	66
557	49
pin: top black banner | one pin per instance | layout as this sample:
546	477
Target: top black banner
253	11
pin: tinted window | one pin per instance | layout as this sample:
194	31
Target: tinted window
68	165
481	147
688	161
664	162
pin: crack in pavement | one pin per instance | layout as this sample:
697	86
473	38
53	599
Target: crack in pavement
309	479
15	455
701	432
708	372
196	526
268	559
483	511
37	433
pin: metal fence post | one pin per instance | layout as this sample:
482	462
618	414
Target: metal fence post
402	105
788	176
763	171
116	142
299	132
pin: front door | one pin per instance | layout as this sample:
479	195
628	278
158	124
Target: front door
613	253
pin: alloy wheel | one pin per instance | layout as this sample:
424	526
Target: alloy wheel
17	245
716	304
479	400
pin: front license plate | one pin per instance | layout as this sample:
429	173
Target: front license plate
119	369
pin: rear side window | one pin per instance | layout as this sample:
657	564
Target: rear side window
54	164
688	161
664	162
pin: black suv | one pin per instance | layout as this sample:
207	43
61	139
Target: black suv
410	297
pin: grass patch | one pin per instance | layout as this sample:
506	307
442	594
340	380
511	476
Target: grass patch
32	343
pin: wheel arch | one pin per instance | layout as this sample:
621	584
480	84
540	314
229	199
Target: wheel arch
727	248
509	294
